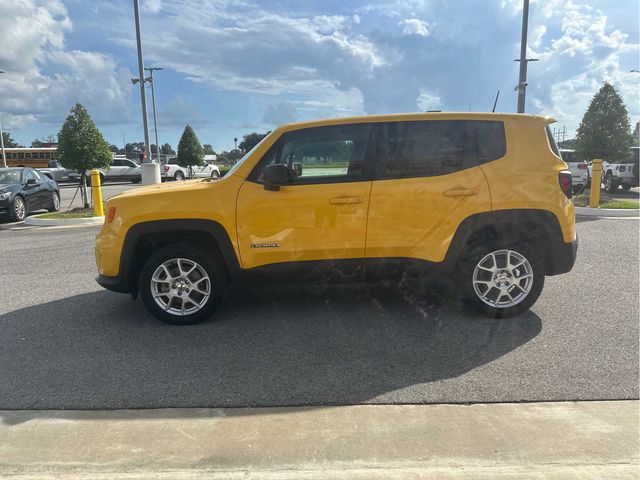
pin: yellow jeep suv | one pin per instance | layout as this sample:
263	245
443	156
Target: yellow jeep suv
482	199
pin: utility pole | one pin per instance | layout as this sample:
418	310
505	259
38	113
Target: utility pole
150	173
522	82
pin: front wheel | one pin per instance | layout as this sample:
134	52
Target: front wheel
182	284
626	187
502	282
55	202
18	210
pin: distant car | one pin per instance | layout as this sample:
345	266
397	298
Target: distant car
172	171
25	190
120	170
58	173
579	169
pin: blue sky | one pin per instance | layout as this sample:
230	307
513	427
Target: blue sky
232	67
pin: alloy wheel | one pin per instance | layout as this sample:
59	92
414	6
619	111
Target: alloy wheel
502	278
19	208
180	286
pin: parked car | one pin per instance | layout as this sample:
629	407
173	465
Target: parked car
172	171
365	198
622	173
120	170
25	190
579	169
58	173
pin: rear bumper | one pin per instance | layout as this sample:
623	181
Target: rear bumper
563	257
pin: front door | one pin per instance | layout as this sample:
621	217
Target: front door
319	217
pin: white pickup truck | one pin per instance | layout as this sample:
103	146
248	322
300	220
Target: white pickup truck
621	174
172	171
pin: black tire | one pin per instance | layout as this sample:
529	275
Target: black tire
215	174
471	298
55	204
610	185
178	175
626	187
208	260
137	180
18	214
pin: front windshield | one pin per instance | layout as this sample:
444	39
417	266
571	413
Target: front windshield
9	176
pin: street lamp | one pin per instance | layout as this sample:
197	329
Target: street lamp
4	156
153	101
524	61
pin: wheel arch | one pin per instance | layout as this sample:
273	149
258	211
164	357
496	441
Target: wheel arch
144	238
538	227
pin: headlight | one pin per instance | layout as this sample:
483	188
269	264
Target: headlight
5	195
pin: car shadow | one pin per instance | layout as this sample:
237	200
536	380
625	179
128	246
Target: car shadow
266	347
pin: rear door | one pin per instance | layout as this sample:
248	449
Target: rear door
426	182
115	171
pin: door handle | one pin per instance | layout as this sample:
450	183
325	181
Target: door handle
345	200
461	192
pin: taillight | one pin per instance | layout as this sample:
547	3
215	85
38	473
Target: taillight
582	166
111	214
622	168
166	168
564	177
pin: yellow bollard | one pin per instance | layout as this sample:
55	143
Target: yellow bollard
594	197
96	192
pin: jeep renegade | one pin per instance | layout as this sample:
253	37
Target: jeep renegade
482	199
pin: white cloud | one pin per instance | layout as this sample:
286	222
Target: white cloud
283	112
43	79
415	26
428	101
152	6
574	62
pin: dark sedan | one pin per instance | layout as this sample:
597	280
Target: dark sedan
25	190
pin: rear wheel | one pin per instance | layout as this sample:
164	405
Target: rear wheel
610	184
55	202
215	174
178	175
502	282
626	187
182	284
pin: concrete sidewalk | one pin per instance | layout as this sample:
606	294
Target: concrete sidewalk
567	440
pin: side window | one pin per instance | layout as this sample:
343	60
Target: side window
552	142
27	175
490	140
39	177
116	163
423	148
319	155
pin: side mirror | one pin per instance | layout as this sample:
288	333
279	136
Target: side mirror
31	181
275	175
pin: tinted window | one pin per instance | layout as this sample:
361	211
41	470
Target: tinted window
38	175
322	154
116	163
490	141
27	175
418	149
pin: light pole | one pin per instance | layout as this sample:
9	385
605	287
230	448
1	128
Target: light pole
522	81
153	102
150	170
4	157
235	143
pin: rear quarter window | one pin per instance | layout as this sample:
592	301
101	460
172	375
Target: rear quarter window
552	143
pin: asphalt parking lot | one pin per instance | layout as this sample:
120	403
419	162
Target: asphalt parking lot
66	343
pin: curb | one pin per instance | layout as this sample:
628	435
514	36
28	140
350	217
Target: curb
607	212
46	222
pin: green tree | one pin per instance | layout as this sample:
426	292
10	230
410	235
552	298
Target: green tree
114	148
190	151
8	141
166	149
81	146
208	149
250	140
36	143
605	131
